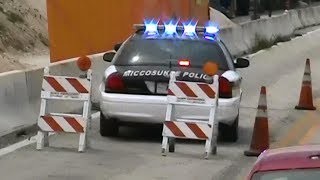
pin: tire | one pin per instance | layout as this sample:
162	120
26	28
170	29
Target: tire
108	127
229	133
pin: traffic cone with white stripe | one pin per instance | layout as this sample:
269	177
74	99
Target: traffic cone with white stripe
260	136
306	100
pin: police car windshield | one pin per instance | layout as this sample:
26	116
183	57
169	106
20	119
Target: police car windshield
153	52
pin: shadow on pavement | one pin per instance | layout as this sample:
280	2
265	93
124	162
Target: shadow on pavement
153	133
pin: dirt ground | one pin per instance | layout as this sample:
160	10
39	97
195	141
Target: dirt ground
23	32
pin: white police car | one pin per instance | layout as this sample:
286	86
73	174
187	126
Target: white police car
135	85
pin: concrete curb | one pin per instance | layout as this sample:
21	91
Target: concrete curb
18	134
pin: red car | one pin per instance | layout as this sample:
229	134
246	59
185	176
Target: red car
290	163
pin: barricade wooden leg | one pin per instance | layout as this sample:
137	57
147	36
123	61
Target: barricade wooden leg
40	140
207	148
82	142
164	146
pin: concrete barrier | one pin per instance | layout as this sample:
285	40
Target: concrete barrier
316	13
15	108
34	85
242	38
220	19
233	39
308	16
294	19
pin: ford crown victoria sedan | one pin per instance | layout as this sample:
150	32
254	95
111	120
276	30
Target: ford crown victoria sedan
135	85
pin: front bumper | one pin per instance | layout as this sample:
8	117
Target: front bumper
152	109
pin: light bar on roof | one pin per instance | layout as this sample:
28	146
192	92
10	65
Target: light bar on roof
171	28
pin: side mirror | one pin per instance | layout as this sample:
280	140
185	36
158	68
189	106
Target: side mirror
117	46
242	63
108	57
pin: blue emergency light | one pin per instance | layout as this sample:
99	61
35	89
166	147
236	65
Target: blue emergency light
212	29
171	27
190	28
151	27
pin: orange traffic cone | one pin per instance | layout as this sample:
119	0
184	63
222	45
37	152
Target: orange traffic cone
306	100
260	136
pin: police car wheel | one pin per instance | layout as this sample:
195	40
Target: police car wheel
229	133
108	127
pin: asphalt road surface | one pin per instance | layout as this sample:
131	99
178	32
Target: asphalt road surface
135	154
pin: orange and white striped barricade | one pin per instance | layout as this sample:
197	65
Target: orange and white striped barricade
187	93
63	88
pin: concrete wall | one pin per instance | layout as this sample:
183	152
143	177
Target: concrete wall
15	108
